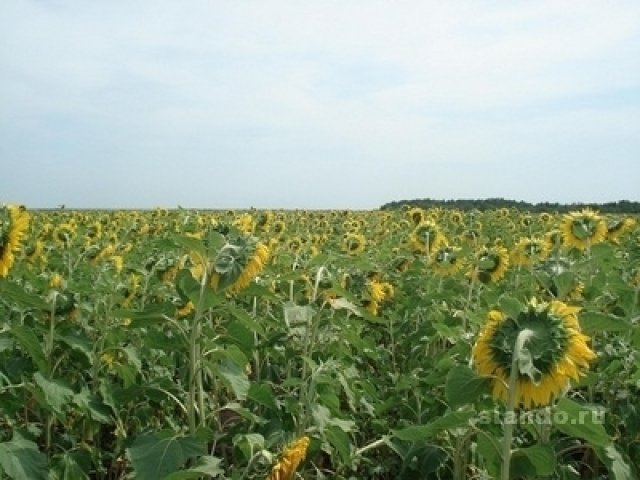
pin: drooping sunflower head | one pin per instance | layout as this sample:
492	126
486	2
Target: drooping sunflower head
555	353
618	227
491	264
529	250
64	234
417	215
278	227
426	237
446	260
583	229
456	217
354	243
245	223
237	263
14	223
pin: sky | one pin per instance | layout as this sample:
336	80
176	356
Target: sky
315	104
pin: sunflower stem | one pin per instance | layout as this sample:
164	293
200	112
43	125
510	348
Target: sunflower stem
196	390
523	337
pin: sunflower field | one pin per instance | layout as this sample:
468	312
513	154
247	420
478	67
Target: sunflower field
403	344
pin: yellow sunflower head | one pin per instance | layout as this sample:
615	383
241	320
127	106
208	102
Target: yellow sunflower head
238	263
583	229
618	227
354	243
529	250
426	237
555	353
417	215
491	264
446	261
14	223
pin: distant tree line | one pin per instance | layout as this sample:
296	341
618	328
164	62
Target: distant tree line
622	206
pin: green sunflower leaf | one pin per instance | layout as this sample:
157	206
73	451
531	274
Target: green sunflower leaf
416	433
565	282
28	340
155	456
463	386
580	421
592	322
20	458
510	306
617	465
207	465
56	393
540	459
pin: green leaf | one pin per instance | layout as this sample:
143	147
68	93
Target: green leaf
341	442
153	314
540	459
20	459
241	336
593	322
56	393
262	394
30	343
297	315
580	421
74	466
154	456
191	244
206	465
249	444
15	293
79	344
463	386
235	377
565	282
510	306
616	464
92	406
489	449
417	433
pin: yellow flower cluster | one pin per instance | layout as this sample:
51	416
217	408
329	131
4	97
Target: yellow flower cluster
14	223
254	266
290	460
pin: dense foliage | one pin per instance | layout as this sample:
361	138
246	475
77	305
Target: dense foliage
185	344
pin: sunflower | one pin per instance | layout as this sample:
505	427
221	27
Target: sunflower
245	223
64	234
555	353
290	460
583	229
529	250
34	252
353	243
446	261
278	227
417	215
426	237
491	264
237	263
14	222
618	227
456	217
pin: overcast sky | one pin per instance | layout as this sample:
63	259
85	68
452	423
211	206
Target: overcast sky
317	104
